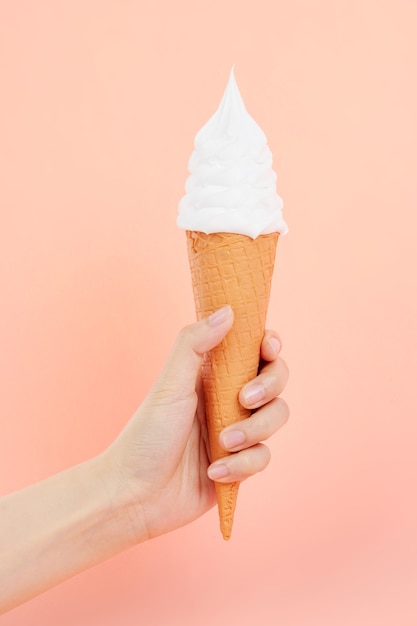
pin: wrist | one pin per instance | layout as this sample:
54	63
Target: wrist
121	504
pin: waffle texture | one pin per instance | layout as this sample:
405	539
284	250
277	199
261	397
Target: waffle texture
236	270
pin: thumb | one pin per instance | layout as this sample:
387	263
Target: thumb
181	370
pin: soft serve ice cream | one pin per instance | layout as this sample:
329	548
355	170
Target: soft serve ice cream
232	186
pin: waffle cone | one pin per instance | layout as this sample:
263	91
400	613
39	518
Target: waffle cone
236	270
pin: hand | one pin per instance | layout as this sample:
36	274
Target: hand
155	477
160	462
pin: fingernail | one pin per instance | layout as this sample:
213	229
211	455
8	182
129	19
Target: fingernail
220	316
233	438
253	393
217	471
275	344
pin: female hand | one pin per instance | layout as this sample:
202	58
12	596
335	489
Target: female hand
155	477
160	462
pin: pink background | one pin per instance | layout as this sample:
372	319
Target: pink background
100	102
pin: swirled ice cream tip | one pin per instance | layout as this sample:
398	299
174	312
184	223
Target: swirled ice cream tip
232	186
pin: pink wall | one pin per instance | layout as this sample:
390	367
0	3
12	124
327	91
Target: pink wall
100	101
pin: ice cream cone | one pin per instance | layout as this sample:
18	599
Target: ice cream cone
236	270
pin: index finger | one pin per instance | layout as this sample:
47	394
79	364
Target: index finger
270	346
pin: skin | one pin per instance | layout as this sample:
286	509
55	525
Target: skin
154	478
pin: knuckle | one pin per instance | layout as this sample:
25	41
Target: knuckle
255	460
281	408
185	332
247	466
274	377
285	409
271	421
285	370
280	413
263	423
266	456
266	421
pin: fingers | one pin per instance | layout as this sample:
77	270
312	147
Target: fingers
243	439
239	466
270	346
258	427
273	375
269	383
247	455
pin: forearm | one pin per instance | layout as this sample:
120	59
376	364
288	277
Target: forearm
59	527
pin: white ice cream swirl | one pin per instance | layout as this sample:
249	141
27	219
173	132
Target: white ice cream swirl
232	186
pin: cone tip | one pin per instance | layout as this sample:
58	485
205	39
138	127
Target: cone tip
226	528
